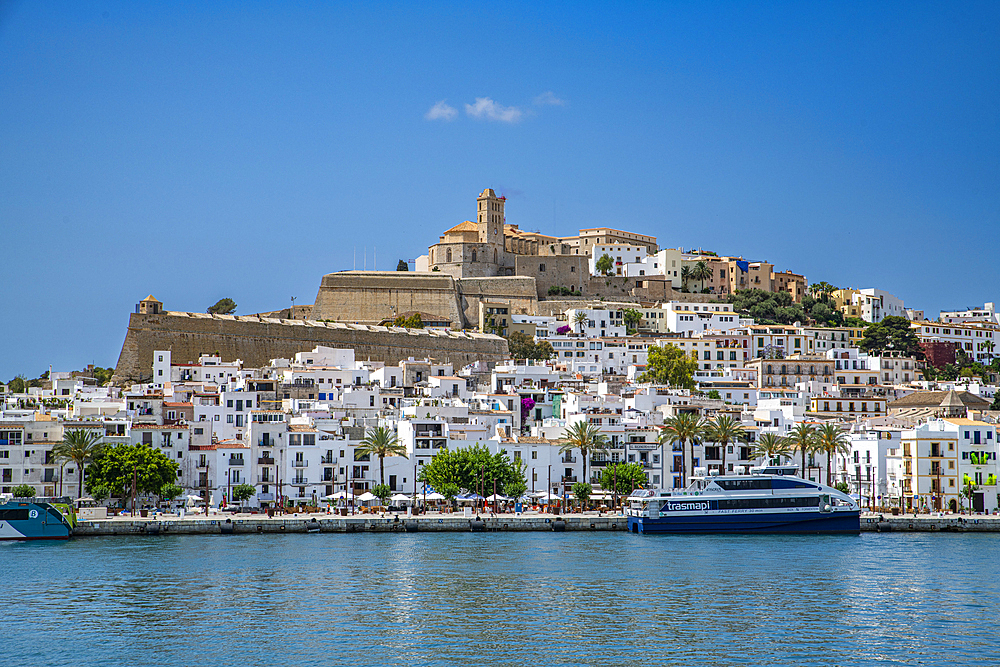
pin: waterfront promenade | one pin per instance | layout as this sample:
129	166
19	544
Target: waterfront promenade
434	522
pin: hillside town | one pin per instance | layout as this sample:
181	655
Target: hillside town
740	367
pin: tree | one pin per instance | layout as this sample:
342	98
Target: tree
725	429
103	375
381	442
223	307
587	438
995	405
822	290
683	428
517	486
170	491
701	272
580	318
605	265
582	491
382	492
685	277
473	468
671	366
622	478
412	322
81	446
401	265
715	395
767	307
771	446
522	346
802	439
23	491
18	385
243	493
632	318
112	471
892	333
832	440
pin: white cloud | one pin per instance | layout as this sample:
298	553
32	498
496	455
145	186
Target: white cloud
548	98
441	111
490	110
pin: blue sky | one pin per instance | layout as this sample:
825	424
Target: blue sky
202	150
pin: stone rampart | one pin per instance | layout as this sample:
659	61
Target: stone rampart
518	291
256	340
368	297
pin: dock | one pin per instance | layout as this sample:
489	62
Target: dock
325	523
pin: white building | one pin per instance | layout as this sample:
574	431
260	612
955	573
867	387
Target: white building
876	304
987	313
692	318
624	258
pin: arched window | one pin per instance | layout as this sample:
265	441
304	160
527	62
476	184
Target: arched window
473	255
495	256
447	254
783	369
769	371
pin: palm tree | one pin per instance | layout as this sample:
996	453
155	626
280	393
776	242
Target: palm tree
772	446
81	446
580	318
701	272
381	442
830	439
587	438
724	430
802	439
685	276
683	428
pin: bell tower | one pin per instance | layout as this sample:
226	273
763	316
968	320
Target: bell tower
490	217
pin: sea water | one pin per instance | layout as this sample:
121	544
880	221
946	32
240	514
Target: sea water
471	599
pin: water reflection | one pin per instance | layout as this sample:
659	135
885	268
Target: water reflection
502	599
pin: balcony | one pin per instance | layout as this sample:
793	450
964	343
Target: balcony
328	460
265	461
569	479
300	481
265	479
265	497
300	464
235	461
568	459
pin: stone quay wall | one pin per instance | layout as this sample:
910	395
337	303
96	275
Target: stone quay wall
256	340
326	523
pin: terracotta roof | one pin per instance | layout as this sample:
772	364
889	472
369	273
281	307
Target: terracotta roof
966	422
467	226
302	428
920	399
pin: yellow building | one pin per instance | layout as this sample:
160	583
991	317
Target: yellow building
848	408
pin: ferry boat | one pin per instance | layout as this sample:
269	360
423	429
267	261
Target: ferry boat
771	499
26	519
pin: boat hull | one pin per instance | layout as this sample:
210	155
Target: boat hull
32	521
797	522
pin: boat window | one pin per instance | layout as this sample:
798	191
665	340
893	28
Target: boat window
743	484
55	515
792	484
767	503
14	515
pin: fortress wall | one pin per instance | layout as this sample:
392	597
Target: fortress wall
257	340
368	297
518	291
